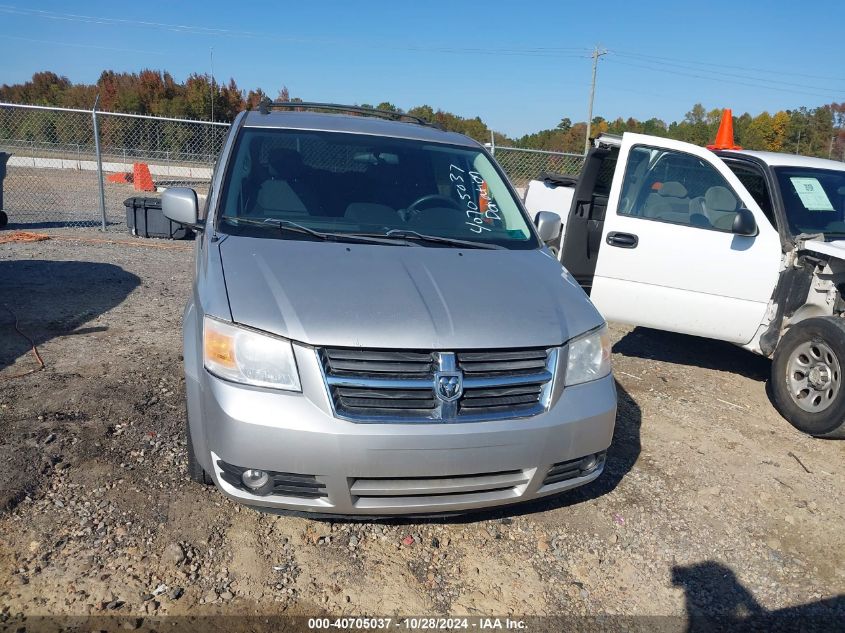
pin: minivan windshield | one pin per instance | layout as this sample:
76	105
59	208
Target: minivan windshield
324	184
814	200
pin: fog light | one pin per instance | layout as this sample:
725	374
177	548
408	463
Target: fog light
255	479
591	462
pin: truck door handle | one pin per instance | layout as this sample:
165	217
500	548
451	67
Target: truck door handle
622	240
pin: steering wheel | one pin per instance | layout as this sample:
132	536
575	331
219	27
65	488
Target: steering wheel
412	210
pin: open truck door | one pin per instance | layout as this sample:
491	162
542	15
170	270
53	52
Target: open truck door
584	226
683	246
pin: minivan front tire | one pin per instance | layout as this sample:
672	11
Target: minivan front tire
808	386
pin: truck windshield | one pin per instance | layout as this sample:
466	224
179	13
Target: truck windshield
368	185
814	200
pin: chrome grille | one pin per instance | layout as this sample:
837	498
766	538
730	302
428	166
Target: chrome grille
388	385
399	401
503	362
366	362
490	398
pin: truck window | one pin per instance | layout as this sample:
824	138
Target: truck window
670	186
755	182
605	177
813	199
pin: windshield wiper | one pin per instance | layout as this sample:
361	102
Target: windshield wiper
409	234
328	236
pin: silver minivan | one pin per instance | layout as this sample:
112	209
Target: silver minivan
376	328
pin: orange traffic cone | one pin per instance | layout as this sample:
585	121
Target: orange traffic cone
725	135
142	178
121	177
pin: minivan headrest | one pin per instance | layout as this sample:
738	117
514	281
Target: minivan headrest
286	163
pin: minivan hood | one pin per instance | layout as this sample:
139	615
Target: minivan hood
408	297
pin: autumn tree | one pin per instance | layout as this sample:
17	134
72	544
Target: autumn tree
780	121
254	97
759	133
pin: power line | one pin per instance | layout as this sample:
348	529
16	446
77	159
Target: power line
647	93
769	71
722	73
723	80
78	45
92	19
533	51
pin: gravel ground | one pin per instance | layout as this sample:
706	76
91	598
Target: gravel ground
711	504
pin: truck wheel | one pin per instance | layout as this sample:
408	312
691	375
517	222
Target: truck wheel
807	380
195	470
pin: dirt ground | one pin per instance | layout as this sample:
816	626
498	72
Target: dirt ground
711	503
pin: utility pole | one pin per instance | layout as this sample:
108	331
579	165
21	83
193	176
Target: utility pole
830	152
99	161
211	54
596	54
798	144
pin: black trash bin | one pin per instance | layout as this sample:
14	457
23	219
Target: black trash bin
4	158
145	218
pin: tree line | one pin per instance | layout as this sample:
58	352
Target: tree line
818	131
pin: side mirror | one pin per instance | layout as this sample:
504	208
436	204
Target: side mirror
548	225
180	205
744	223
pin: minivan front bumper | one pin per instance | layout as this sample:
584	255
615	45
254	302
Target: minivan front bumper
386	469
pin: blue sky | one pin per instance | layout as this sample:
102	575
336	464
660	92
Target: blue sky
521	66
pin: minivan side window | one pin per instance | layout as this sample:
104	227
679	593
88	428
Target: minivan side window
670	186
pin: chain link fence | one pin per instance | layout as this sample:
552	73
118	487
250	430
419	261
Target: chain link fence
522	165
178	153
52	176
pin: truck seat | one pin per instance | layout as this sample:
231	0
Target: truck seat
719	206
670	203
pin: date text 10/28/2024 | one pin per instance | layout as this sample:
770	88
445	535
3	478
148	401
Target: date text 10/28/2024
417	624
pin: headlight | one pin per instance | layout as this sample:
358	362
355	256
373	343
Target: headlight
248	357
589	357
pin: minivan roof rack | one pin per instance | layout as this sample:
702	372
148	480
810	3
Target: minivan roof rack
266	105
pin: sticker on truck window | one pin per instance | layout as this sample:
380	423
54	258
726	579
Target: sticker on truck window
812	194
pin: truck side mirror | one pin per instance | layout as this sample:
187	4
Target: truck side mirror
548	225
744	223
180	205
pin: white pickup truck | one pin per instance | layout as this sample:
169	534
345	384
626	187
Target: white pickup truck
741	246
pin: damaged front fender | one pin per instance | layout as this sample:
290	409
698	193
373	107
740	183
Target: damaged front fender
809	285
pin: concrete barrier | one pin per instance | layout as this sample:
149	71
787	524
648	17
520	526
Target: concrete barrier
170	171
